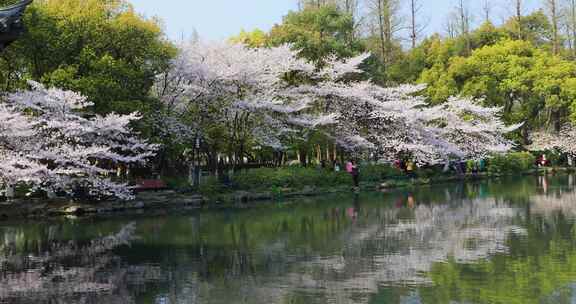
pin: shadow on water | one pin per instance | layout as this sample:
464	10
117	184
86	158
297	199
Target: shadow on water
500	241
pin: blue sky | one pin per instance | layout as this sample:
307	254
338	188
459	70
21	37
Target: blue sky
214	19
219	19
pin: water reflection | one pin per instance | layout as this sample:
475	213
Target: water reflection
557	200
65	272
398	251
490	242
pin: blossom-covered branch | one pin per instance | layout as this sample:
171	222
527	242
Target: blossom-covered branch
272	96
565	140
48	142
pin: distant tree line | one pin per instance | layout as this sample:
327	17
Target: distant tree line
525	65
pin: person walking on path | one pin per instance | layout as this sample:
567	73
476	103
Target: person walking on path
352	169
482	165
336	166
410	169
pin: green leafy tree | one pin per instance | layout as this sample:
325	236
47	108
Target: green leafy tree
434	54
256	38
534	27
102	49
530	84
318	33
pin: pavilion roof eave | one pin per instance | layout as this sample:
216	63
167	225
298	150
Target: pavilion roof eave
16	6
11	22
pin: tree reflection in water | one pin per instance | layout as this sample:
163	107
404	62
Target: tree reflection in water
488	242
69	272
379	247
401	253
553	201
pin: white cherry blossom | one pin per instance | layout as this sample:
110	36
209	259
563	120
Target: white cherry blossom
50	142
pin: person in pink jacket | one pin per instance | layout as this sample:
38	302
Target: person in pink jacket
352	169
349	166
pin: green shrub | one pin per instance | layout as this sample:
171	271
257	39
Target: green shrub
555	158
375	173
211	186
431	172
299	177
276	180
511	163
277	192
176	182
289	177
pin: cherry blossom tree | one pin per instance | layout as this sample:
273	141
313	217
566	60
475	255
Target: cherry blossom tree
50	142
475	131
239	96
564	141
271	96
394	121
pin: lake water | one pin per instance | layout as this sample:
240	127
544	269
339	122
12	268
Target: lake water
499	241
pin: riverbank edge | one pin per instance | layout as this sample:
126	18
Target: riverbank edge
173	201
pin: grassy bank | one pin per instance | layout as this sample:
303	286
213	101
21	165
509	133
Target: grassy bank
262	185
266	183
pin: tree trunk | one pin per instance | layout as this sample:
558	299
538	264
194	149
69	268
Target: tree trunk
10	192
413	29
303	157
553	7
519	19
487	8
381	31
572	25
465	25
